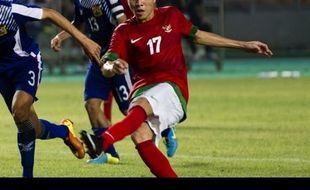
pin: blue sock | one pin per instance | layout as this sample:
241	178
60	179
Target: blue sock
26	144
97	132
52	130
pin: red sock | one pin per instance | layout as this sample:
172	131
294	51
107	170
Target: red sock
107	107
135	117
155	160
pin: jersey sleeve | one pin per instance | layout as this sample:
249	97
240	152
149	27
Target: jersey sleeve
118	45
78	18
117	8
185	26
24	13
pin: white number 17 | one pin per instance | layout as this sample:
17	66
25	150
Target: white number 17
156	41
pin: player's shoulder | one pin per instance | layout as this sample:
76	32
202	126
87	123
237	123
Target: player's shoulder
168	10
123	26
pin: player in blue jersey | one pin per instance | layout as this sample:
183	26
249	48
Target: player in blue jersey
20	75
100	18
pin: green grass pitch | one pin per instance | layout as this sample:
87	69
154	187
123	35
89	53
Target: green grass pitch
235	128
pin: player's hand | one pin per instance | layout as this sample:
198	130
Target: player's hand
120	66
110	68
91	49
56	44
258	47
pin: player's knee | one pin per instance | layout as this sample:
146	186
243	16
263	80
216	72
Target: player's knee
91	106
138	138
20	113
142	134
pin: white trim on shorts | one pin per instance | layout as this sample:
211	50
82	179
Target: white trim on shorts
166	106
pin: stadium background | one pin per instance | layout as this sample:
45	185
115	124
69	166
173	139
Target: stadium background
283	24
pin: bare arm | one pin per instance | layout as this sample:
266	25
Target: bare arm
211	39
91	49
56	42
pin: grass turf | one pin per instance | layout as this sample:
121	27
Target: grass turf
235	127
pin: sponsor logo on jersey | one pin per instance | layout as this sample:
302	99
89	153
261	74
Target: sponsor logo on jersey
3	30
167	28
135	40
97	12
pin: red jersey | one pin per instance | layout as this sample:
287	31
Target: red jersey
153	48
127	10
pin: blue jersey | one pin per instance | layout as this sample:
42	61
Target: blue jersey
100	18
15	45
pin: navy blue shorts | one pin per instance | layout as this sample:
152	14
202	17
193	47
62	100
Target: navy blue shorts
98	86
25	75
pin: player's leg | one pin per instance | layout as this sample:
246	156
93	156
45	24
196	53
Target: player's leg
21	104
148	151
45	129
150	154
64	130
97	89
107	107
18	87
18	101
167	112
133	120
144	105
122	85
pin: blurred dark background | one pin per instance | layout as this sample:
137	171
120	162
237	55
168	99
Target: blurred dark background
283	24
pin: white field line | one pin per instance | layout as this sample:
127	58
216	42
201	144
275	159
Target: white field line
237	159
204	158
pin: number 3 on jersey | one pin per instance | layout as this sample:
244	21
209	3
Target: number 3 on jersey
154	44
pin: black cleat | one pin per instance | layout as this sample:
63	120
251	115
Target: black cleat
92	143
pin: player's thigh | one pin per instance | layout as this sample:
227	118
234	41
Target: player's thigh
166	106
96	85
121	89
7	90
26	77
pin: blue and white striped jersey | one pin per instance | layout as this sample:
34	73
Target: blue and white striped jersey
100	18
15	44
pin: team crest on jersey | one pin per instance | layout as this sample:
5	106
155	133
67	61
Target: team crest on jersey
3	30
167	28
97	10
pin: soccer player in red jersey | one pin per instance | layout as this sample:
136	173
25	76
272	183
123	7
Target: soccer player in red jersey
168	135
151	43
